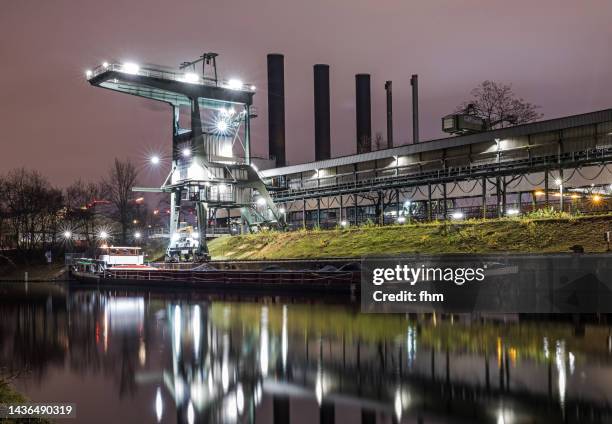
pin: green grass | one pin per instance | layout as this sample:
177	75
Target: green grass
532	234
9	396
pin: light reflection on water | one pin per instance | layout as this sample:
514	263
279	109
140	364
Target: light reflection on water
190	358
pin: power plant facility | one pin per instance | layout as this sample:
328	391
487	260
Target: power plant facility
211	163
476	172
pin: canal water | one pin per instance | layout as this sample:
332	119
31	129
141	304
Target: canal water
155	357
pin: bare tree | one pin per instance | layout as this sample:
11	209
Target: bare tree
81	201
378	140
118	190
32	210
499	106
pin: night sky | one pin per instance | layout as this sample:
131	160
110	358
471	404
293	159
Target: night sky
556	53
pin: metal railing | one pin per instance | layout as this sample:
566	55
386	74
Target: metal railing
186	77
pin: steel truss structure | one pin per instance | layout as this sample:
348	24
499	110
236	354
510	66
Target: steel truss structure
211	162
561	162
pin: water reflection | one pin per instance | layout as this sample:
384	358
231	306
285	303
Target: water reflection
151	357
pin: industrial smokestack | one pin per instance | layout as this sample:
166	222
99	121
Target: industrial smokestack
364	113
321	112
388	86
276	108
414	82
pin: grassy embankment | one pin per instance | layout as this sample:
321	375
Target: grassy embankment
528	235
9	396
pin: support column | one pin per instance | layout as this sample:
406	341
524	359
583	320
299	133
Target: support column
498	196
484	197
202	216
355	208
318	212
504	200
546	188
397	198
304	213
429	211
338	221
561	190
445	204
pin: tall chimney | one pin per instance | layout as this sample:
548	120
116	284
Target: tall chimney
321	112
276	108
364	113
414	82
388	89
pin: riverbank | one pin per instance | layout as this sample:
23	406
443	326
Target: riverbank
43	272
9	396
546	235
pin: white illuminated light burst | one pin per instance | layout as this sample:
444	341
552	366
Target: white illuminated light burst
457	215
186	152
103	235
67	234
190	413
155	160
234	84
88	73
191	77
222	126
137	235
130	68
261	201
159	406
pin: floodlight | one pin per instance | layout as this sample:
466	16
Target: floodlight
457	215
186	152
105	64
88	73
343	223
512	212
191	77
221	126
155	160
261	201
401	219
67	234
137	235
130	68
103	235
282	210
234	84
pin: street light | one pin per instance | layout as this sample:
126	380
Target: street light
67	235
103	235
137	235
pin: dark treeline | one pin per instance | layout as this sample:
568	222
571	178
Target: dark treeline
36	217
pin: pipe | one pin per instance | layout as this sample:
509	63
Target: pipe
388	89
322	112
364	113
414	82
276	108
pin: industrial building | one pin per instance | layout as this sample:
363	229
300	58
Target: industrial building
561	163
476	173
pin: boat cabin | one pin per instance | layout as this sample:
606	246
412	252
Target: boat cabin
117	255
